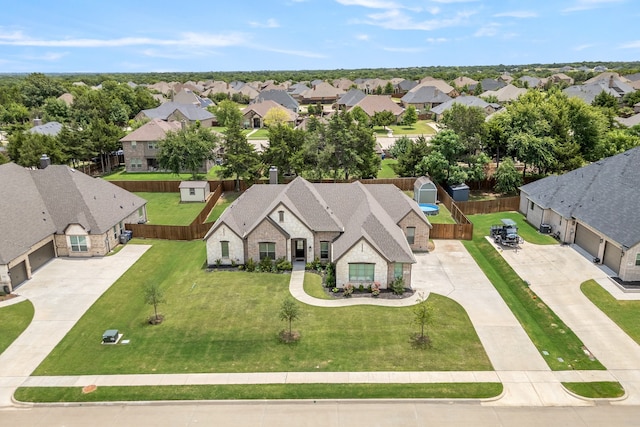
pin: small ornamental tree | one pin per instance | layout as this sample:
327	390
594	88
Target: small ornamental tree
508	179
410	117
422	316
154	296
289	311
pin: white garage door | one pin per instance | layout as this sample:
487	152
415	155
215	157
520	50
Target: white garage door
612	256
587	240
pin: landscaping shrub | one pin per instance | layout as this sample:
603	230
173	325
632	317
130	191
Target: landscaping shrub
265	264
330	278
250	265
347	290
397	286
283	265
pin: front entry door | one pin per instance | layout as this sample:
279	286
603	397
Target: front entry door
299	250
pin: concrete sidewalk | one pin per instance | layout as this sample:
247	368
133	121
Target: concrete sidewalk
61	292
555	274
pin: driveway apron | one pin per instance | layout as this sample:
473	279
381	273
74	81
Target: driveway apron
61	292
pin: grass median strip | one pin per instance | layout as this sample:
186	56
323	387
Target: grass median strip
623	313
262	391
14	320
596	389
546	330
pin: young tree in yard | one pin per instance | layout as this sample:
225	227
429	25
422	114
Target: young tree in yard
154	296
187	149
240	157
360	116
411	156
422	317
410	117
227	112
289	311
276	116
508	179
383	118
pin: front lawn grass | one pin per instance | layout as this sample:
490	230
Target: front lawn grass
313	286
387	169
546	330
262	391
166	209
596	389
229	322
623	313
262	133
420	128
14	320
223	203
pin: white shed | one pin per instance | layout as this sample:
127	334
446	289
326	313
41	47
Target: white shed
425	191
194	191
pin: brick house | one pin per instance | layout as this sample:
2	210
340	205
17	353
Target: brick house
368	231
140	147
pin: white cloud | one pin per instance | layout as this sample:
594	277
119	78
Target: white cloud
363	37
517	14
434	40
301	53
580	5
584	46
185	39
397	20
631	45
271	23
453	1
47	56
489	30
371	4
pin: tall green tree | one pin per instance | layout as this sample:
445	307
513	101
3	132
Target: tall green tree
187	150
241	161
26	148
508	179
37	87
104	138
284	148
226	112
468	123
411	156
383	118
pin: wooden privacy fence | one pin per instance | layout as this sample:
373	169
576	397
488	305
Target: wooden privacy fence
490	206
196	230
463	230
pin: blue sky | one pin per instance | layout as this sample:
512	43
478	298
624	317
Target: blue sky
218	35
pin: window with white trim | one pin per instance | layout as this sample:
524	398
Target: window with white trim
192	191
267	250
134	144
361	272
152	145
78	243
224	249
324	250
397	270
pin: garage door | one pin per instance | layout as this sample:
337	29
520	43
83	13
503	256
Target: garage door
18	274
41	255
587	240
612	257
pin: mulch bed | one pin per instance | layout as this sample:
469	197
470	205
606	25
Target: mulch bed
384	294
7	297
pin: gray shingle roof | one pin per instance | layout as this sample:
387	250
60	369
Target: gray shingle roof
469	101
351	98
279	96
50	129
426	94
603	195
190	111
45	201
354	209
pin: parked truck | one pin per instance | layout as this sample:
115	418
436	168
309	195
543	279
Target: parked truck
506	233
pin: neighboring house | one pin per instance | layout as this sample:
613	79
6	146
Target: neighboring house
614	82
405	86
194	191
441	85
425	98
140	147
595	207
322	93
463	81
344	84
588	92
530	82
489	84
281	97
253	116
469	101
58	211
187	96
629	121
173	111
350	98
296	90
368	231
561	78
49	129
67	98
505	94
372	104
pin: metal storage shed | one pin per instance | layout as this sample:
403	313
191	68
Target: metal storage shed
424	191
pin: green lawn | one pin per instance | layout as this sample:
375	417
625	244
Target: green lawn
121	175
223	202
262	133
546	330
387	170
443	216
420	128
482	224
166	209
263	391
14	320
229	322
313	286
623	313
596	390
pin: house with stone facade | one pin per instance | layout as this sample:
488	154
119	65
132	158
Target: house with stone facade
368	231
58	211
140	147
594	207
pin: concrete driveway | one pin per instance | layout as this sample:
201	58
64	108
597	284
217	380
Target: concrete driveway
61	292
555	273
